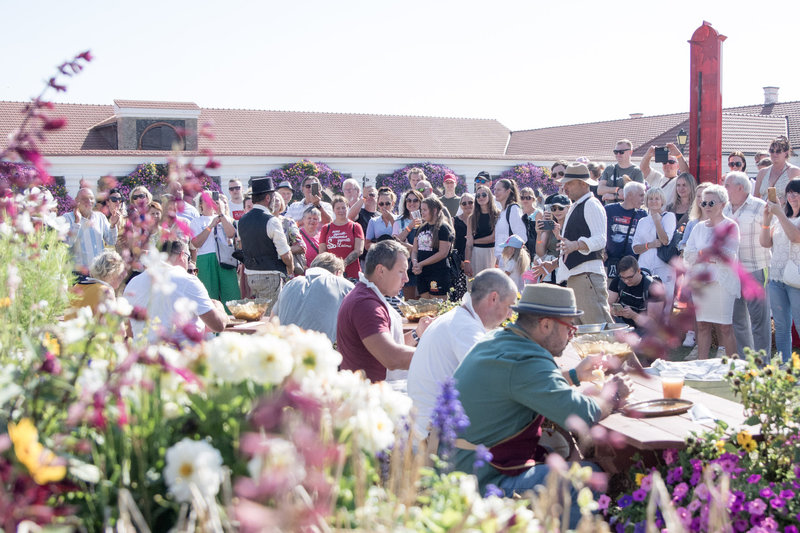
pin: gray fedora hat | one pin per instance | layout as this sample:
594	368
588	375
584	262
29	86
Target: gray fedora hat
547	300
578	171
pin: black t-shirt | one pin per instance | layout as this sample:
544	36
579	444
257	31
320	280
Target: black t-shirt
635	297
461	235
425	247
530	229
363	219
483	229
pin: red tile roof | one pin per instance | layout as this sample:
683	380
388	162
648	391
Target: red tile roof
148	104
791	110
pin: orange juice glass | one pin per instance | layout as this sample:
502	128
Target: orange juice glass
672	385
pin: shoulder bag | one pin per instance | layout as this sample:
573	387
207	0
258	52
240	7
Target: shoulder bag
225	251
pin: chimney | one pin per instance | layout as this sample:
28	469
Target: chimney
637	115
771	95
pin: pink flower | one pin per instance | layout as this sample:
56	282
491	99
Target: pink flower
54	124
756	507
86	56
60	88
603	502
670	456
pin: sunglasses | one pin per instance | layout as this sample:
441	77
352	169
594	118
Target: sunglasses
412	200
776	150
482	195
234	188
526	197
372	195
138	197
115	199
481	180
671	162
307	186
710	203
555	207
467	203
734	164
385	204
560	173
620	152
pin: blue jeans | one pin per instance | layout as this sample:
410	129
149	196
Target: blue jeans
785	304
537	475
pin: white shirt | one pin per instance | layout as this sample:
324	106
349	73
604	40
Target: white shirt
749	216
657	179
297	209
501	229
167	291
198	225
274	232
441	349
86	240
646	232
595	215
189	212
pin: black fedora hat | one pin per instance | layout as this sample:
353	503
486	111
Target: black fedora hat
262	185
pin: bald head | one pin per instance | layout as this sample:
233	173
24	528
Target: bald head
85	202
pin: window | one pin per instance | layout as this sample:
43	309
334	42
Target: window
160	136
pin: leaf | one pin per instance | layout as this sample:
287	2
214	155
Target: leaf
752	420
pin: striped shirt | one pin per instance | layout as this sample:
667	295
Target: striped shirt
748	217
87	239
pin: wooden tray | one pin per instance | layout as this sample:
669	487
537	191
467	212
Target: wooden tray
660	407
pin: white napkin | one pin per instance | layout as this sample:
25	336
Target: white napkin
701	414
699	370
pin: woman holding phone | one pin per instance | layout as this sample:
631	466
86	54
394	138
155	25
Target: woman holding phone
479	248
431	248
778	175
405	230
548	233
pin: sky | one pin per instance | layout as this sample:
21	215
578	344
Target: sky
528	64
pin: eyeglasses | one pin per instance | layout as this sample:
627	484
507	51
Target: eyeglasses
710	203
572	327
115	199
138	196
671	162
620	152
482	195
192	271
526	197
734	164
372	195
560	174
385	204
555	207
627	278
792	193
234	188
468	202
776	150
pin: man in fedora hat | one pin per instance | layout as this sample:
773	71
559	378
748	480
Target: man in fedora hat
580	263
509	383
267	255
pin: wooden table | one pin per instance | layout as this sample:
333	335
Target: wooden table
247	328
658	433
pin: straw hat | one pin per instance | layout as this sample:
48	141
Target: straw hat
578	171
547	300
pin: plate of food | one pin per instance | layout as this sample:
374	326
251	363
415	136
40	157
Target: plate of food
249	310
413	310
660	407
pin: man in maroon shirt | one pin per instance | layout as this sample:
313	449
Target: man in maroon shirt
369	332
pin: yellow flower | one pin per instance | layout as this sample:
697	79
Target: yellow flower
720	444
51	344
795	360
5	302
41	463
639	478
750	445
743	437
790	378
752	373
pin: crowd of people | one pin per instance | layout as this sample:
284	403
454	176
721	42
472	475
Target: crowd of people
601	249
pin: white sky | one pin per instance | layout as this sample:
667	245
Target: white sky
527	64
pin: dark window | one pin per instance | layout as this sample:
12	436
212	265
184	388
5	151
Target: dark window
160	136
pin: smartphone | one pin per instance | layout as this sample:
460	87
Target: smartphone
617	307
215	196
662	154
315	189
772	194
548	225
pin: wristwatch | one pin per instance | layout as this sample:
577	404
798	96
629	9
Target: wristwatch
415	336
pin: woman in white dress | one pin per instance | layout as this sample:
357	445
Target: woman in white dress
652	232
779	231
706	254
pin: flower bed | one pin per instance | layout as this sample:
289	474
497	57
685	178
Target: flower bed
295	173
398	180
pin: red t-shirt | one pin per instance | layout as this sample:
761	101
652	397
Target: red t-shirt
340	241
361	315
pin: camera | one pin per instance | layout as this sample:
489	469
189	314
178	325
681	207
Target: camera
662	154
215	196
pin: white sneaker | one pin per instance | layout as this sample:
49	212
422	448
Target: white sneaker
689	340
692	356
720	352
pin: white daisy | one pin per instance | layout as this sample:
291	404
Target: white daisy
195	463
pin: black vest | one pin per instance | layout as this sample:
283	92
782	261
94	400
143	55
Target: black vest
258	249
576	228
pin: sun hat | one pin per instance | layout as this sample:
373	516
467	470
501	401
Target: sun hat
578	171
285	185
547	300
449	177
513	241
262	185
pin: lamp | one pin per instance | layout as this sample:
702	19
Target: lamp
683	138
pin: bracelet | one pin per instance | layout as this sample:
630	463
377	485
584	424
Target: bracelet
647	246
765	227
415	336
573	375
465	261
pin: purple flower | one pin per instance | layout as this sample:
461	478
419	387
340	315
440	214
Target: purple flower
755	478
647	482
482	456
603	502
777	503
670	456
695	479
766	493
701	492
448	416
769	524
790	529
741	525
679	492
640	527
675	475
697	465
694	505
494	490
625	501
756	507
639	495
787	494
